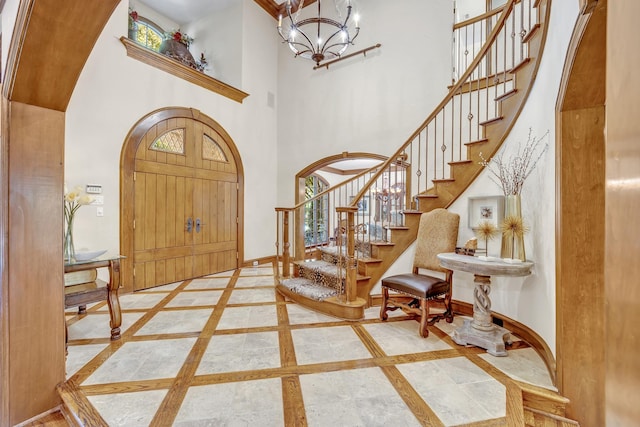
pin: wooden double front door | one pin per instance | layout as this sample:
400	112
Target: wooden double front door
186	189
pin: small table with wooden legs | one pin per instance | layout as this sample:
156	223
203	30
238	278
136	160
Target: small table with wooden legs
481	331
86	288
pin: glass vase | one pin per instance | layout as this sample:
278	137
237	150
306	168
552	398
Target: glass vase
69	249
513	246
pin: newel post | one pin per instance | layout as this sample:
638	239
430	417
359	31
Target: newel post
282	227
351	288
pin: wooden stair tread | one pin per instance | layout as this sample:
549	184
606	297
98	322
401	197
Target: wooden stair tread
490	121
531	33
460	162
383	243
506	95
521	64
479	141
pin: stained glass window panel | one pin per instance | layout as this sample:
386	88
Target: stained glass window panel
148	35
211	150
171	142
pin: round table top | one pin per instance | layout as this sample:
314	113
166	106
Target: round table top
474	265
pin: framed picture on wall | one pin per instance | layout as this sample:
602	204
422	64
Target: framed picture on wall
485	208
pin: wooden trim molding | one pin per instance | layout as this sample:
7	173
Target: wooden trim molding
46	39
172	67
523	331
519	329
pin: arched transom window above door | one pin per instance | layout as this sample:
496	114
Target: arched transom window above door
170	142
211	150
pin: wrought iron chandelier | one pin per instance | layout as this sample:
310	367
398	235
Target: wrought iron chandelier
319	38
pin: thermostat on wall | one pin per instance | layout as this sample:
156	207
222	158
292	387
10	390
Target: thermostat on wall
94	189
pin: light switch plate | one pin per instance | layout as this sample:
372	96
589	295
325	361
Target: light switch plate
97	200
93	189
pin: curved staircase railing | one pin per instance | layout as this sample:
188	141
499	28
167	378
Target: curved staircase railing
435	164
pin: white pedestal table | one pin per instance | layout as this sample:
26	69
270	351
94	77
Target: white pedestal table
481	331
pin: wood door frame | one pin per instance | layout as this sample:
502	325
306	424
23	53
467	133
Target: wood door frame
581	139
127	187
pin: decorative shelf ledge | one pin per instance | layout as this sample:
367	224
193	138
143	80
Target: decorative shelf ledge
167	64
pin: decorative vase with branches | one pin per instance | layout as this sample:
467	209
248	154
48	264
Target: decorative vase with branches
510	174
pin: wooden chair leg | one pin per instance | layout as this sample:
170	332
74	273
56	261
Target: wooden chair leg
383	306
424	317
448	315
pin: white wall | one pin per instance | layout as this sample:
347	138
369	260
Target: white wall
220	37
115	91
370	104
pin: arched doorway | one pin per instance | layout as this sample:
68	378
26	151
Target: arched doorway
331	171
580	214
181	199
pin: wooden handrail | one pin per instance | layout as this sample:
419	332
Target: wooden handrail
452	92
478	18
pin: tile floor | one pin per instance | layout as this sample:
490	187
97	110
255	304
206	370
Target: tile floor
227	350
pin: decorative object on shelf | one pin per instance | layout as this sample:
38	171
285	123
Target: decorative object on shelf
133	24
513	231
72	201
202	64
179	36
469	247
510	174
176	46
485	209
325	37
486	231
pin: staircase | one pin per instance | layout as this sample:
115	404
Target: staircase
377	212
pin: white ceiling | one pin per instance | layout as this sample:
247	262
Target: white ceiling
354	164
185	11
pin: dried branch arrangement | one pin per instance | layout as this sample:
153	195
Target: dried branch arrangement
510	174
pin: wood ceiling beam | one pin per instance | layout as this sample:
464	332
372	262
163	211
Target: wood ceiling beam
275	10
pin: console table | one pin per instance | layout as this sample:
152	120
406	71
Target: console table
94	290
481	331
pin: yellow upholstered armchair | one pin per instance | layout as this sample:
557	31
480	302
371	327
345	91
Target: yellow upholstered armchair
437	233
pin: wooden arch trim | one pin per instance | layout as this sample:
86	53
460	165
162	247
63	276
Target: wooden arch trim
51	48
319	164
127	162
580	214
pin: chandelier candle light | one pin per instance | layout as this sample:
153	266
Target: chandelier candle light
318	38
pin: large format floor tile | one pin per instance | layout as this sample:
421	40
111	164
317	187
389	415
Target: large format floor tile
225	350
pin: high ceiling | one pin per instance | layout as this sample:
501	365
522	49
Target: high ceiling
177	10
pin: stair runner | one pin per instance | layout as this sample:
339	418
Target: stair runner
319	279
